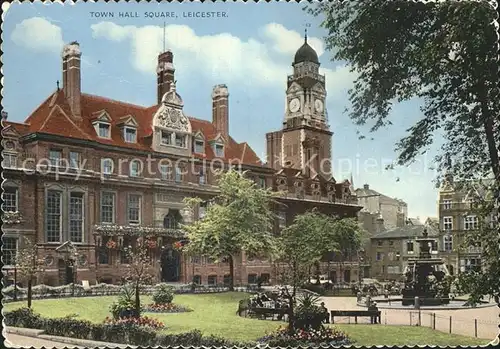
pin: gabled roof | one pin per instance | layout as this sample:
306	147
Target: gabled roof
53	116
407	231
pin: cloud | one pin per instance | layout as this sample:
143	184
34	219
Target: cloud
38	34
223	57
287	41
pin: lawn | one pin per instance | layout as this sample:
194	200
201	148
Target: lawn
216	314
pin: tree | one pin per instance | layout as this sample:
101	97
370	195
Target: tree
238	219
139	268
303	245
347	234
442	53
29	265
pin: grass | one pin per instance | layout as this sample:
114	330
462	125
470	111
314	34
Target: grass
216	314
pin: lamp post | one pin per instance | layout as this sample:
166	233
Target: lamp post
15	281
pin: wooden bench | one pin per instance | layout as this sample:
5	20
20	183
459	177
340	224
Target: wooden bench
264	313
372	314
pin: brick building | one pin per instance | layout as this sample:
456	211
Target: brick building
86	173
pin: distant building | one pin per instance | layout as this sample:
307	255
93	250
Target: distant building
390	250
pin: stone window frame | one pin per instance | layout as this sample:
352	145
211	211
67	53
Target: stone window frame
61	190
105	125
212	277
105	161
84	216
471	222
10	155
448	243
140	169
447	221
16	239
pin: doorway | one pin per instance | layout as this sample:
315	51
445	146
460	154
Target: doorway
66	271
170	263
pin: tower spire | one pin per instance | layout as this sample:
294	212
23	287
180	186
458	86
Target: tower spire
305	32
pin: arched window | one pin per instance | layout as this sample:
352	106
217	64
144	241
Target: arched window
172	219
107	166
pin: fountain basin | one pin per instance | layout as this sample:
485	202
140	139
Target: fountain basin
453	304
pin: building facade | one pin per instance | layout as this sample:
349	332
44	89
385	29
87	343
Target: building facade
85	175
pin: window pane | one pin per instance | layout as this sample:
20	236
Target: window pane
199	147
107	207
166	137
9	197
104	130
130	135
134	208
9	249
9	160
180	140
74	159
53	216
76	217
55	157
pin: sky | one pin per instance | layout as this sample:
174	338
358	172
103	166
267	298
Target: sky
247	46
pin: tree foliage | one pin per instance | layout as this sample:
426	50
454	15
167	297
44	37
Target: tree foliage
238	219
446	55
443	53
28	264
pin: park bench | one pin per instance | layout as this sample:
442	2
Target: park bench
264	313
372	314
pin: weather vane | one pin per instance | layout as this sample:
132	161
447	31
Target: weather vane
307	25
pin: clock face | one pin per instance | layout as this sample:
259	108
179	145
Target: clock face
318	105
294	105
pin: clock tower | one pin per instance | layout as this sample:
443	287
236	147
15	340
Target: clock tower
305	138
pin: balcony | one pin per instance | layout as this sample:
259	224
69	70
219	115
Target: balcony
136	230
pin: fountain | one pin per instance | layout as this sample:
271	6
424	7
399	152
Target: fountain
426	277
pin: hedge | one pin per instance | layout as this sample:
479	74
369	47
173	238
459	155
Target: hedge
114	333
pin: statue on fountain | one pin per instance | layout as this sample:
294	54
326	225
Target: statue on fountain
426	277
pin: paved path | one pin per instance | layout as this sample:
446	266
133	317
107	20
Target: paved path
13	340
462	320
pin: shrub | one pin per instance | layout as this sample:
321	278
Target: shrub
324	336
141	321
164	294
23	317
166	308
68	327
308	314
124	307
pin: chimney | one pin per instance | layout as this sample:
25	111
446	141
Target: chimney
366	186
220	109
165	73
71	76
379	224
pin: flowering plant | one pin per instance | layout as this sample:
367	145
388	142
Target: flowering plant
111	244
321	336
139	321
136	230
166	308
150	243
177	245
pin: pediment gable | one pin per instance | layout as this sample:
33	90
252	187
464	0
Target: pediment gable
199	135
101	116
128	120
319	88
294	87
172	118
66	247
10	132
219	138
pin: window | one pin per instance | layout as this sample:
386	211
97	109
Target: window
166	138
166	172
135	168
448	243
199	146
434	246
53	216
262	182
178	174
447	204
55	157
409	246
252	279
227	280
134	209
195	259
380	256
202	210
380	243
281	219
265	278
74	159
201	177
494	221
107	166
219	150
76	217
107	207
398	256
130	135
197	279
104	130
448	223
473	264
212	280
9	197
391	243
9	160
470	222
180	140
9	250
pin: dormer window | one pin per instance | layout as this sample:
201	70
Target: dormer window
219	150
199	146
130	134
104	130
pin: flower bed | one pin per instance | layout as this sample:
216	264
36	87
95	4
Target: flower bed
324	336
166	308
140	321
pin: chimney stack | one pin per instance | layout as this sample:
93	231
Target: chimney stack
220	109
366	186
72	77
165	73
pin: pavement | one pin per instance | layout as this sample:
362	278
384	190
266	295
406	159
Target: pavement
13	340
463	321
